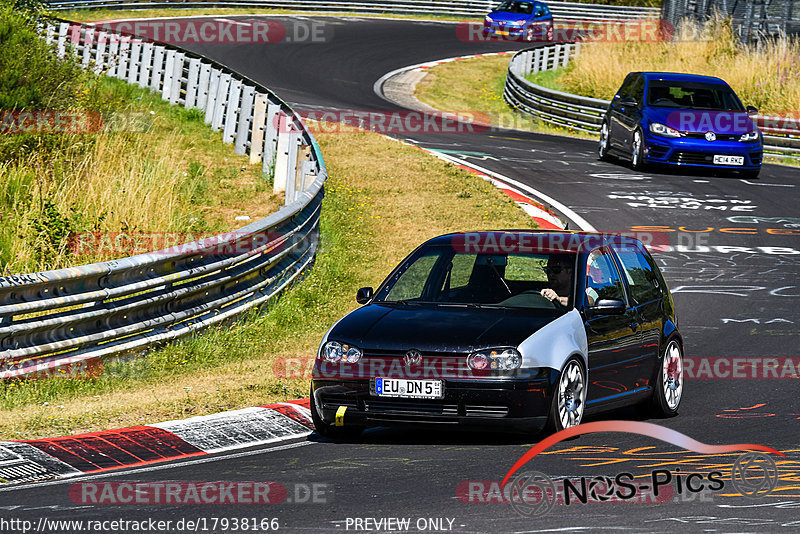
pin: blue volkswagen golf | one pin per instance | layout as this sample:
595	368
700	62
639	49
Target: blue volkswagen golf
681	120
519	20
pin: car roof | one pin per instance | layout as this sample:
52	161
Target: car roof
556	240
681	77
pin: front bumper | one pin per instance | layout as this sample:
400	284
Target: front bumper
700	153
518	404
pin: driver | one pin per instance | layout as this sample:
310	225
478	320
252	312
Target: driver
559	275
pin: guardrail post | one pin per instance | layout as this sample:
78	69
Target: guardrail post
113	56
526	62
211	101
88	38
220	101
282	155
144	68
169	72
202	86
232	109
177	78
61	47
274	114
259	126
245	118
537	60
567	51
158	67
291	167
100	54
135	58
122	66
192	82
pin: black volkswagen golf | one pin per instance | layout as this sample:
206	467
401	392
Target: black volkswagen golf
514	329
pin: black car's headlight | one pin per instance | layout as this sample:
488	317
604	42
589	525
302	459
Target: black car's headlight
335	352
495	359
663	130
749	137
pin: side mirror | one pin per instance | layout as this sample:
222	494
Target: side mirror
608	307
364	295
628	102
751	110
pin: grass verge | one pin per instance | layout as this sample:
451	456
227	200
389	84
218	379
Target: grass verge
382	200
476	85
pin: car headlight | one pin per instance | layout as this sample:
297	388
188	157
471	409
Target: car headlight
498	359
488	20
664	131
749	136
333	351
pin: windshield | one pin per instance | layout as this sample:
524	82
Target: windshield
688	95
523	8
443	276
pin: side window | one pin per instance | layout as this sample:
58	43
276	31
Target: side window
638	90
412	281
640	276
627	85
602	277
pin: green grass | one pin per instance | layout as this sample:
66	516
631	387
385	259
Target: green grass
476	85
382	200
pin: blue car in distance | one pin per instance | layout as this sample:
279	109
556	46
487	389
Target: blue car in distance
519	20
675	119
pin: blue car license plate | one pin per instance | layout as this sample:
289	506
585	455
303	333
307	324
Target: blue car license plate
407	388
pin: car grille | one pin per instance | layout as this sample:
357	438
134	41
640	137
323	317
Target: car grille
485	411
409	407
692	158
720	137
452	362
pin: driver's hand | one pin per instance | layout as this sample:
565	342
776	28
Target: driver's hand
549	294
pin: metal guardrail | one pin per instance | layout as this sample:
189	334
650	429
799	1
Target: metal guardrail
751	19
72	317
584	114
466	8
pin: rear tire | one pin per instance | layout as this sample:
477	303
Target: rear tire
331	431
569	397
668	388
602	149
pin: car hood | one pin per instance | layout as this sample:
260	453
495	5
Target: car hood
693	120
507	16
437	328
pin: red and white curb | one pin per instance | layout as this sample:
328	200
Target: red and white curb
68	456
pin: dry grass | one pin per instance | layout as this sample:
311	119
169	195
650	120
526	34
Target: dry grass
174	176
382	200
767	76
476	85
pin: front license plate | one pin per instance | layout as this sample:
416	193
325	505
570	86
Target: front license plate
728	160
413	389
502	32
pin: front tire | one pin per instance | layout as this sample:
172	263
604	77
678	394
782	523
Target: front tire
637	151
668	388
569	397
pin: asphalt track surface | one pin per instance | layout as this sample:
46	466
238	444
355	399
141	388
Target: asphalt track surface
734	303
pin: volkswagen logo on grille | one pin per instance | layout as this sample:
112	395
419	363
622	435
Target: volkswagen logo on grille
412	357
711	136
